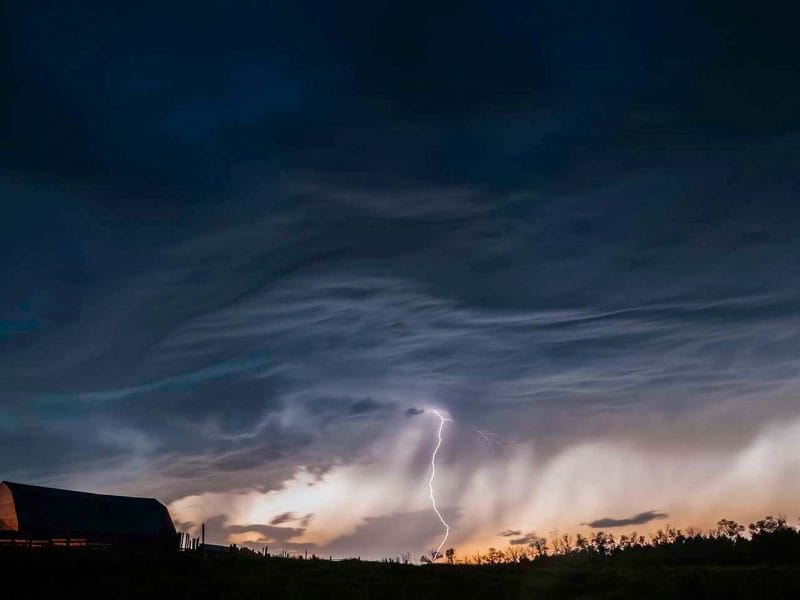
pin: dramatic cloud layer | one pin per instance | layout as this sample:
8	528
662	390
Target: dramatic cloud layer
238	259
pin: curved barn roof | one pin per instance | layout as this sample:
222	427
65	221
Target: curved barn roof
32	509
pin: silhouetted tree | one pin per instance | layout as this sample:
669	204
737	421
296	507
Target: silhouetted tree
768	524
602	543
513	554
493	556
560	544
669	535
770	540
728	529
539	548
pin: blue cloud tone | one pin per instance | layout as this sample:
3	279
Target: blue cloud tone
258	241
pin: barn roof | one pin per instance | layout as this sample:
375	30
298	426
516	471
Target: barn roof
41	509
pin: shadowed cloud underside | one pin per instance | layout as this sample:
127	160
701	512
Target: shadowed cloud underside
238	259
639	519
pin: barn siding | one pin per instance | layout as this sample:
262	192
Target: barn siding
8	514
48	513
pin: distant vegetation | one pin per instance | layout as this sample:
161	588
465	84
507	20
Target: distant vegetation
771	540
732	561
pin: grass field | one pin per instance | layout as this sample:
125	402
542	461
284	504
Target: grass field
106	574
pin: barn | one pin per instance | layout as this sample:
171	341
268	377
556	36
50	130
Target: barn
36	515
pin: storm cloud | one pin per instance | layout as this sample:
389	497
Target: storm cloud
231	266
527	539
509	533
640	519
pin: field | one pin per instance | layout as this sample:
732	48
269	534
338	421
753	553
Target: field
108	574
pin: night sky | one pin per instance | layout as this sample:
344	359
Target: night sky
246	250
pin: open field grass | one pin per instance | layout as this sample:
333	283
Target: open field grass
106	574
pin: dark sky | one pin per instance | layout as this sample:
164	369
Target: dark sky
239	242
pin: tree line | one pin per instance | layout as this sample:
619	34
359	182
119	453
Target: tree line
771	540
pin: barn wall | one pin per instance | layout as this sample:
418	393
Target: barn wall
8	513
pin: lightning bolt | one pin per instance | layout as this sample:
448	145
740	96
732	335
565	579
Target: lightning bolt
486	442
489	441
442	421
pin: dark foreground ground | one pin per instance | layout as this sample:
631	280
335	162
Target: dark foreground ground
105	574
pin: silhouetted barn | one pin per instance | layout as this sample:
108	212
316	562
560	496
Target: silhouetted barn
40	515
